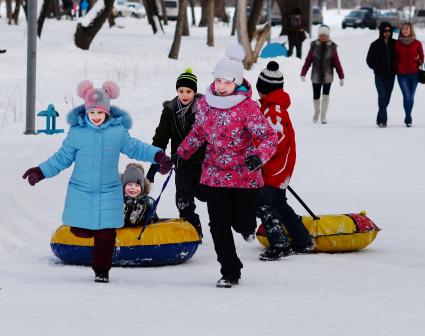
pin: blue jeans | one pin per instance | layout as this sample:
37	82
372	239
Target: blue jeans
408	84
384	86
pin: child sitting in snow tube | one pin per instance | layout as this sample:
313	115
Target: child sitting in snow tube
164	242
98	134
137	203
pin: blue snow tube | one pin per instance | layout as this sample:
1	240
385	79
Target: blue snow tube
274	50
168	242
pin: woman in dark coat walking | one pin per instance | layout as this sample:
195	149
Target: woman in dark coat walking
380	58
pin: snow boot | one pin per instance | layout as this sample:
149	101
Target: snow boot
325	104
228	281
101	277
305	249
275	253
316	103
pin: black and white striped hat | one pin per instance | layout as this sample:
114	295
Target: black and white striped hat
270	79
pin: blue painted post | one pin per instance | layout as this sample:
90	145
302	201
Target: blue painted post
50	113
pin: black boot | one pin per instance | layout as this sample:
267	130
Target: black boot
228	281
101	277
193	218
275	253
308	248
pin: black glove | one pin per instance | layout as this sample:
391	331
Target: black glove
34	175
152	171
253	162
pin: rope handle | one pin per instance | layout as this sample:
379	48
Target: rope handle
155	204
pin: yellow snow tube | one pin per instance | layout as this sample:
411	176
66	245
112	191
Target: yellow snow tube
335	233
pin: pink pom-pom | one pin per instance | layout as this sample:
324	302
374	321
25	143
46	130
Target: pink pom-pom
112	89
83	87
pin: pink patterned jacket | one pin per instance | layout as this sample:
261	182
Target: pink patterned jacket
229	125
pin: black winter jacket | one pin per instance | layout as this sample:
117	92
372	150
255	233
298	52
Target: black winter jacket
169	128
380	57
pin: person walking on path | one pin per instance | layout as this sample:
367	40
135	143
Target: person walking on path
380	58
323	55
296	32
409	56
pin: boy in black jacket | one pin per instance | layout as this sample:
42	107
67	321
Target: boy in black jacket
380	58
177	119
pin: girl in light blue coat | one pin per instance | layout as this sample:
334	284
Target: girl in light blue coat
94	200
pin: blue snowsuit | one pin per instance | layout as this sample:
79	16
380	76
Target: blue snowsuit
94	198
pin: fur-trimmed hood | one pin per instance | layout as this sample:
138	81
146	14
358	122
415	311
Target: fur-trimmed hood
118	116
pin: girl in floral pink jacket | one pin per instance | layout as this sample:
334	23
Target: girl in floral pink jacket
228	120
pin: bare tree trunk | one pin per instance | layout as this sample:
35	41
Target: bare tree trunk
185	24
255	15
204	14
15	15
220	11
9	11
182	17
210	27
84	35
150	12
262	36
281	4
242	29
235	19
164	12
55	9
45	10
192	10
111	19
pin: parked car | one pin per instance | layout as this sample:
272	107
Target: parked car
394	18
371	17
419	18
355	19
316	15
125	8
138	10
172	8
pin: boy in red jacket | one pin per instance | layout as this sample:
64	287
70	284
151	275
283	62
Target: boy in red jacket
273	210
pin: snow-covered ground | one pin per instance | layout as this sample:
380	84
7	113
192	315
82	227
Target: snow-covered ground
345	166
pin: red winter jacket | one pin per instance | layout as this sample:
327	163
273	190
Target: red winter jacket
278	170
405	57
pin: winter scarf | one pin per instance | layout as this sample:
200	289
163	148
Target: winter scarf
182	112
221	102
406	40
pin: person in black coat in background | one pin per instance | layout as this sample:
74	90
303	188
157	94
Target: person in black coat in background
380	58
296	32
177	119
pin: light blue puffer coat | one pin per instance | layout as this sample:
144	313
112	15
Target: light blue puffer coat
94	198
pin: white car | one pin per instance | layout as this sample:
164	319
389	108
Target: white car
126	8
172	8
